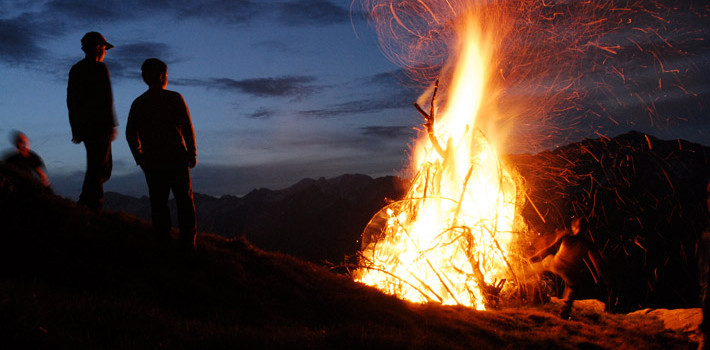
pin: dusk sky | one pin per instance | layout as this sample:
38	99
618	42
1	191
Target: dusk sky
278	90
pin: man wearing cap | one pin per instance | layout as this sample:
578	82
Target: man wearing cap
92	116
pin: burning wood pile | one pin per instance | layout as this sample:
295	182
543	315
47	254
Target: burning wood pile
449	240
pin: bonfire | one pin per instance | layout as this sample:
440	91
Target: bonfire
450	239
514	75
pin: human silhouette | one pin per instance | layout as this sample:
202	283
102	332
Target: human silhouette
162	140
24	159
572	261
92	116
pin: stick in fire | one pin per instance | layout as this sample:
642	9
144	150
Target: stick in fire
429	118
491	292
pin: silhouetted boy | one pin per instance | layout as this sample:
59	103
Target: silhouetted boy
573	261
25	159
160	134
92	116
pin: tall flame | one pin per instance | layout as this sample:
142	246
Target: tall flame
448	240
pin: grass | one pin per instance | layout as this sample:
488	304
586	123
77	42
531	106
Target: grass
76	279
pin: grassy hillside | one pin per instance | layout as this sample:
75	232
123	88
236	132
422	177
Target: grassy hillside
75	279
645	200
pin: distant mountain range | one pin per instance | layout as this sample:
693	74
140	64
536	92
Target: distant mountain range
316	220
644	198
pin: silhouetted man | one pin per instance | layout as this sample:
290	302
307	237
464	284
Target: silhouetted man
160	134
573	261
92	116
25	159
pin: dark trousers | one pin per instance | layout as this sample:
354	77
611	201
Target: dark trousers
99	164
161	180
568	297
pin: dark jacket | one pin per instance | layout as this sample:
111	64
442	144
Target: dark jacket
90	101
159	129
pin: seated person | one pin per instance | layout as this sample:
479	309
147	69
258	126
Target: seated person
25	159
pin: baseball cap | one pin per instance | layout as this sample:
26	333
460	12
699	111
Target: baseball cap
94	38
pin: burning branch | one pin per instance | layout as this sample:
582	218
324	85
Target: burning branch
443	283
429	118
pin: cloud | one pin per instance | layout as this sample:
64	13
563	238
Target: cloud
396	78
291	13
137	52
90	11
352	107
277	46
312	13
261	113
285	86
230	11
17	45
125	60
20	41
388	132
385	91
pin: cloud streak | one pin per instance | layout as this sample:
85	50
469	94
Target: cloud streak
388	132
386	91
20	42
89	11
82	10
353	107
286	86
229	11
311	12
261	113
292	13
125	60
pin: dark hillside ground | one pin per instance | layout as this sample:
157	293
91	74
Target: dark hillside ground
74	279
644	197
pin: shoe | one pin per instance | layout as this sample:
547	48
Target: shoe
565	314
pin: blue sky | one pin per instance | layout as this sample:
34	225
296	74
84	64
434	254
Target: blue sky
278	90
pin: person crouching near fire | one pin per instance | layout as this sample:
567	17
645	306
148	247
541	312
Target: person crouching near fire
162	140
573	261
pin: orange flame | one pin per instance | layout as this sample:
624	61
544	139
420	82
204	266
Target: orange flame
449	239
